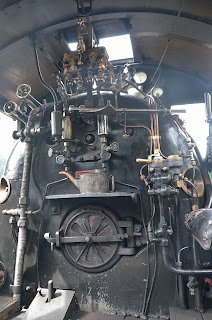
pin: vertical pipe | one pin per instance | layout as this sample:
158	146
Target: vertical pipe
207	97
89	94
18	125
26	169
163	205
199	299
22	222
46	85
180	280
22	234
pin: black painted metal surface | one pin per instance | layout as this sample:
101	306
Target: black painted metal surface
121	286
118	280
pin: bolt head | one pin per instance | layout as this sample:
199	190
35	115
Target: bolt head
87	239
60	159
80	158
138	243
90	138
114	146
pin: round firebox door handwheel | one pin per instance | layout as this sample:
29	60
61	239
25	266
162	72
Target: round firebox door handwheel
95	230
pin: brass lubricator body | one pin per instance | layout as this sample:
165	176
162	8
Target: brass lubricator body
87	60
96	58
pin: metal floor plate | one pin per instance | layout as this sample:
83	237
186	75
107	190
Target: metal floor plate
179	314
175	314
19	316
79	315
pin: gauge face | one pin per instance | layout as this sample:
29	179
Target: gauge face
157	92
140	77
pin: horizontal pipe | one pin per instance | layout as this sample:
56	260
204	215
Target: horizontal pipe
179	270
82	109
32	102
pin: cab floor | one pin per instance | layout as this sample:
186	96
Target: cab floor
175	314
179	314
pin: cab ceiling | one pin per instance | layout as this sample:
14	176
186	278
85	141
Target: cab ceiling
185	72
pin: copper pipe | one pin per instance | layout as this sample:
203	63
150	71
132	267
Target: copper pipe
71	178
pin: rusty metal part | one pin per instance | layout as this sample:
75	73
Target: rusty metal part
94	183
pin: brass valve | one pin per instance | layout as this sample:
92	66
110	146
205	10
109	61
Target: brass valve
150	158
139	160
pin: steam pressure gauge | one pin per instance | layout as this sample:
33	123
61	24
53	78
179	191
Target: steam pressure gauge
157	92
140	77
10	107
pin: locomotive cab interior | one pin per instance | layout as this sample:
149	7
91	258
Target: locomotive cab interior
105	196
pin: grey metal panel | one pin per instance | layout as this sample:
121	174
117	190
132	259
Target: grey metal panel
60	307
179	314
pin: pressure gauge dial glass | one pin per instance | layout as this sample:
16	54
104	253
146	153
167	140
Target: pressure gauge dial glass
157	92
140	77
